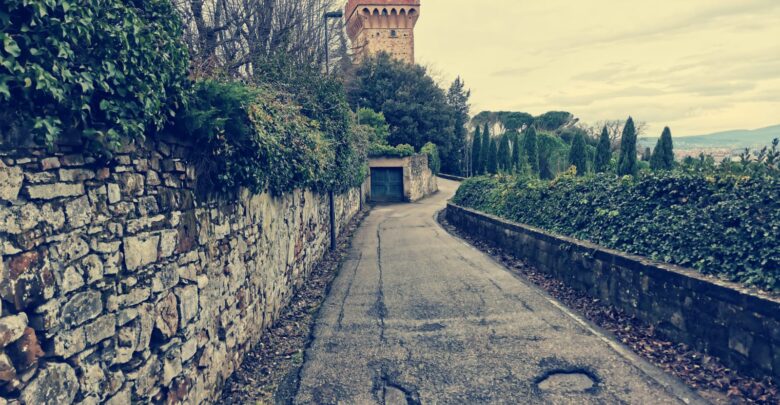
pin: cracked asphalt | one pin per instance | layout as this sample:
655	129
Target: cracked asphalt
417	316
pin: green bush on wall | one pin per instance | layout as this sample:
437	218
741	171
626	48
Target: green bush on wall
104	69
403	150
434	160
112	71
718	223
250	137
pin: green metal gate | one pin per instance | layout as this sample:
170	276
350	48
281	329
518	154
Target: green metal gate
387	184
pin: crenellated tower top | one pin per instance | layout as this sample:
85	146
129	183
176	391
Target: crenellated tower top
377	26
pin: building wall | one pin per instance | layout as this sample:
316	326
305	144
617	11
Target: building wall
382	26
373	41
120	285
739	326
419	180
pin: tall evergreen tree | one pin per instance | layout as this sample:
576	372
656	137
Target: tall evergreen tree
646	154
578	156
458	100
603	153
531	148
492	163
485	153
663	155
476	153
504	155
515	151
627	164
417	110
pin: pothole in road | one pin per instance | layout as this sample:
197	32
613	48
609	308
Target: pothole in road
562	382
394	396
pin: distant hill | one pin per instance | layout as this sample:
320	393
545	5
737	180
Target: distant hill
736	139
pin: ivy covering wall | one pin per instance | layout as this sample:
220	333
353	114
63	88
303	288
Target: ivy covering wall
111	73
104	69
718	223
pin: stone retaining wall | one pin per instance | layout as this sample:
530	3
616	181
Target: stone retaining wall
451	177
118	285
740	326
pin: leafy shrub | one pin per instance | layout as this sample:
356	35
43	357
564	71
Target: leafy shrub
719	224
324	101
403	150
250	137
434	161
414	106
376	125
104	69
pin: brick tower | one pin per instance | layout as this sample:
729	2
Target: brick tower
374	26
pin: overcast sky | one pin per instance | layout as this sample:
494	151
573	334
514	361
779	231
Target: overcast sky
698	66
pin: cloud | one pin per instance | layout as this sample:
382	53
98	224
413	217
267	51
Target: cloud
513	72
612	72
568	101
697	65
720	88
685	23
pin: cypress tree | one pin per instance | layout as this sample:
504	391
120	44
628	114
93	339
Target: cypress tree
647	154
577	155
485	152
492	164
663	155
515	152
603	153
476	154
504	157
627	164
531	147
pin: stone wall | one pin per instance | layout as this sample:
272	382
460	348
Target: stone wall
740	326
119	285
422	181
451	177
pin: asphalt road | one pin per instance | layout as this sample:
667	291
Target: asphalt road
418	316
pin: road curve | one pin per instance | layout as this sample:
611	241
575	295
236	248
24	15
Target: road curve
418	316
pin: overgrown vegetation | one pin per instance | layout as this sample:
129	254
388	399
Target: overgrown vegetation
376	127
253	137
416	109
101	69
434	160
402	150
114	72
722	219
718	222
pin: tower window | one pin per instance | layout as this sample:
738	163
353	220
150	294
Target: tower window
393	34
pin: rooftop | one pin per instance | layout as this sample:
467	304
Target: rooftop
353	4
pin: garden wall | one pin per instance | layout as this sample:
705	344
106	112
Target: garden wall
118	285
739	326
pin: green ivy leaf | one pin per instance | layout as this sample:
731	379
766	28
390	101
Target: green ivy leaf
11	47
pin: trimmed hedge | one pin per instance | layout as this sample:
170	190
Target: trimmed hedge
104	69
718	223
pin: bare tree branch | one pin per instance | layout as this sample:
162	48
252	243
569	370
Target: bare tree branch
226	36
